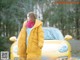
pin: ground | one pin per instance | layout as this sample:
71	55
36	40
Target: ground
75	44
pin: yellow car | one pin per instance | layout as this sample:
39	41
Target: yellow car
55	46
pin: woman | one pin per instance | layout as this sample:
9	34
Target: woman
30	39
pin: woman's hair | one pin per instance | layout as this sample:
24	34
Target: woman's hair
31	13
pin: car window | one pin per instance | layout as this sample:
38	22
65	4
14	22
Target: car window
52	34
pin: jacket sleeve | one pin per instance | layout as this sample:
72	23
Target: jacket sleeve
22	42
40	36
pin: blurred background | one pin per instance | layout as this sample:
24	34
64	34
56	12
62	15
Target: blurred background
66	17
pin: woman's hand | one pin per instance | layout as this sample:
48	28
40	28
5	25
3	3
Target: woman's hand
40	45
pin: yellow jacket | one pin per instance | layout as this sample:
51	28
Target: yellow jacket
35	41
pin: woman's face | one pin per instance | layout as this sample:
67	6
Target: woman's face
32	17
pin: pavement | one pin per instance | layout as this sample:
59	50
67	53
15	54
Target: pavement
75	44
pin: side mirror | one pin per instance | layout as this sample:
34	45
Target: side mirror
13	38
68	37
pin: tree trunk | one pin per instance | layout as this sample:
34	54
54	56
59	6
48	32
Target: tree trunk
77	22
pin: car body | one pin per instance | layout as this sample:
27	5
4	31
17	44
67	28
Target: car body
55	46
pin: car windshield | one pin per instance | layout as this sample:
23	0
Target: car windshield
52	34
